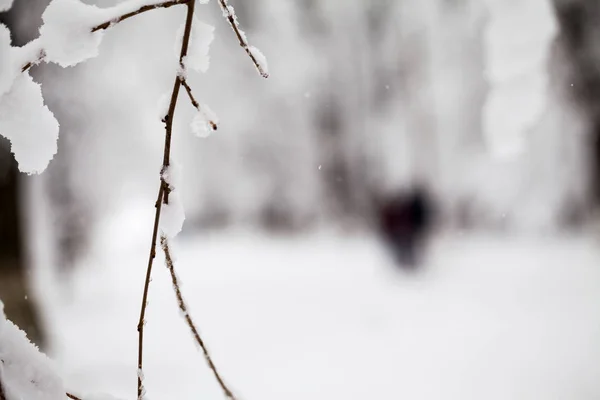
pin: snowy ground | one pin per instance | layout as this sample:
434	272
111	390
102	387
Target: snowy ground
329	318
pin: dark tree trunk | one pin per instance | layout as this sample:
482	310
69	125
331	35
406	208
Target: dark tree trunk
580	41
14	289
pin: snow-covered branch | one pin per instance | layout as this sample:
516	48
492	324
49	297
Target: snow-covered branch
257	57
163	192
71	33
109	16
142	9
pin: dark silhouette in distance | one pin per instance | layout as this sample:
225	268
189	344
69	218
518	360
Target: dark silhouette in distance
404	221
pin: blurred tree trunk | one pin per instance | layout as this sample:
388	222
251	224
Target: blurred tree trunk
14	283
13	272
579	42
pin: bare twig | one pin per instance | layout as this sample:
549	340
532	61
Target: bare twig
232	19
72	396
183	307
163	195
190	95
140	10
188	89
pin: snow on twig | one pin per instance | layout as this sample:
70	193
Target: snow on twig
141	9
110	16
206	114
255	55
163	193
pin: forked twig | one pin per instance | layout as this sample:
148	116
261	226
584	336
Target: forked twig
232	19
183	307
163	195
190	94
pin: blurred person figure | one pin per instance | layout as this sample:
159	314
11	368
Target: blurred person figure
403	223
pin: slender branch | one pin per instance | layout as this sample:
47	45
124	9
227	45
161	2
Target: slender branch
232	19
72	396
163	194
190	95
188	89
141	322
140	10
183	307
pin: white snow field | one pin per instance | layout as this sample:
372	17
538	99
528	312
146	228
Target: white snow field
326	317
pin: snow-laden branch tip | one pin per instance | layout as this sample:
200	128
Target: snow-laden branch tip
205	121
258	59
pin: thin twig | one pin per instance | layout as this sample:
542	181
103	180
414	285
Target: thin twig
72	396
190	95
140	10
188	89
183	307
231	17
163	194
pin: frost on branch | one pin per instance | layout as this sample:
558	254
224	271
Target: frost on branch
261	62
260	59
172	214
29	125
25	372
66	32
5	5
201	37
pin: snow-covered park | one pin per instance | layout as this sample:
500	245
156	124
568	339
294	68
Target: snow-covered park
326	317
272	195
